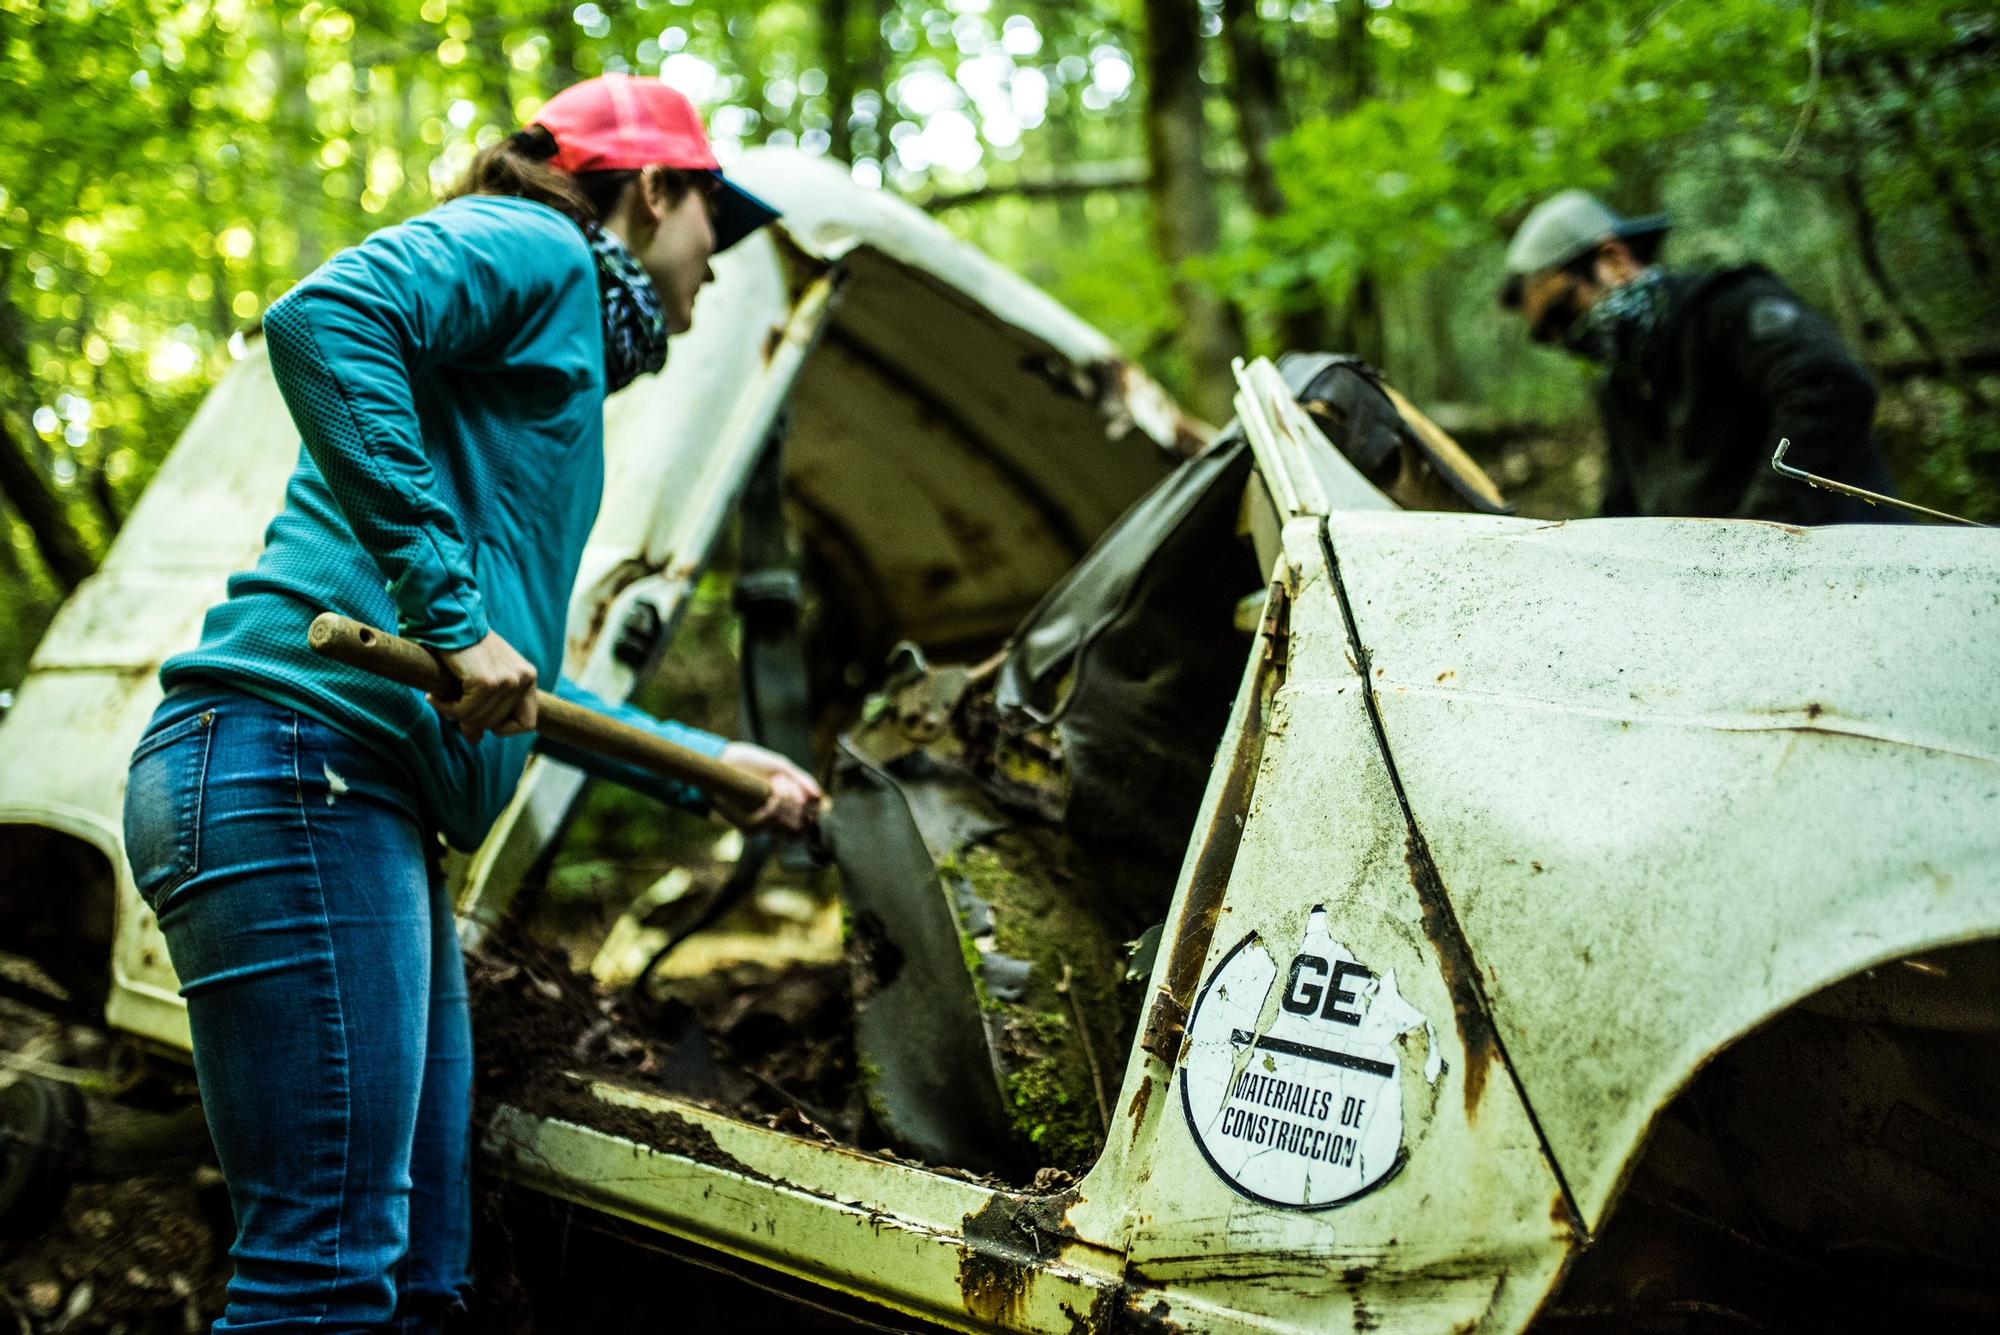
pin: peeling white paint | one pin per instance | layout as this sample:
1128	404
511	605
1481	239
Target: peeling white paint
1292	1084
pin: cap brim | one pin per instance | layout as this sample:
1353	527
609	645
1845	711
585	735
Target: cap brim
738	213
1645	236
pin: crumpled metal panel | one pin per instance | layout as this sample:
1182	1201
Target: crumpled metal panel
1470	1230
1467	1231
1678	774
929	1076
829	217
1304	472
957	438
1105	656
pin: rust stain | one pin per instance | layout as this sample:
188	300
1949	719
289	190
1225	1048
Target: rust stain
1492	1302
1475	1028
1563	1215
1140	1102
991	1286
1166	1021
1156	1318
1098	1318
1128	381
615	581
657	1129
1006	1241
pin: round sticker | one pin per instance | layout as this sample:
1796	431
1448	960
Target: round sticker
1297	1100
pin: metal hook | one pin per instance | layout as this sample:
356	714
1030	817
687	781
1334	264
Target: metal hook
1872	497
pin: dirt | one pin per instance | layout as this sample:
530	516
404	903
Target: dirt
149	1253
140	1254
772	1046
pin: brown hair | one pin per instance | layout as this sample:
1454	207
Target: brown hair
519	165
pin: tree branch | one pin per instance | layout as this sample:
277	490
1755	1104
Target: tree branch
1971	361
1081	178
60	543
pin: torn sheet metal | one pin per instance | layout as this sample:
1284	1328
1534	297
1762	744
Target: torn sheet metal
1305	473
931	1080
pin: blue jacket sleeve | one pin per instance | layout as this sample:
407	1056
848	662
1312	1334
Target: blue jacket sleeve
345	345
667	790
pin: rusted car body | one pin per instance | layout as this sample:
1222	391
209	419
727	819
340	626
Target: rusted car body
1514	828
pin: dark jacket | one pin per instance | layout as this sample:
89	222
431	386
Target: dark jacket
1740	362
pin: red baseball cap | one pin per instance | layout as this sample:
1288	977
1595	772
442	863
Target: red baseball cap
616	122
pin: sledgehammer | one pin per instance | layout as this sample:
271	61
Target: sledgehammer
408	663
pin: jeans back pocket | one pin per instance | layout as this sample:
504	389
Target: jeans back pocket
163	796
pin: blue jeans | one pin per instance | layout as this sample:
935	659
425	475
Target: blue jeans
299	894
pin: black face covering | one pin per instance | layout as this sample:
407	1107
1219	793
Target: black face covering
635	325
1620	331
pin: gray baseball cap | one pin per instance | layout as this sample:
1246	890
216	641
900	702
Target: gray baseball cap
1568	226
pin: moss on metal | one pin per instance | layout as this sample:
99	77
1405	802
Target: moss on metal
1057	1025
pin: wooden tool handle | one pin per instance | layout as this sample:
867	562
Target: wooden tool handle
408	663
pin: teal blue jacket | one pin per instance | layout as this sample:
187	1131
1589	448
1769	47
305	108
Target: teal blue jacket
447	379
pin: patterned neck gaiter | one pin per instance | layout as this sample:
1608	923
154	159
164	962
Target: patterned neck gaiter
635	326
1620	332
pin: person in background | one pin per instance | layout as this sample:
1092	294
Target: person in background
283	812
1704	371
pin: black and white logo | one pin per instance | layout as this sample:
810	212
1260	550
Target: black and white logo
1296	1098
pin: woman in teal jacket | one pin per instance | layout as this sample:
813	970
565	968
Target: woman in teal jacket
283	812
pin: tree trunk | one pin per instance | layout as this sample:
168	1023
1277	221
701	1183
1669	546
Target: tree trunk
1260	120
1259	104
1869	251
1359	326
10	560
221	312
1069	190
836	36
111	513
1185	218
297	131
496	76
559	22
1918	143
1447	378
29	493
1351	82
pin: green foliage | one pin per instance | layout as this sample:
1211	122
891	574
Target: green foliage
171	166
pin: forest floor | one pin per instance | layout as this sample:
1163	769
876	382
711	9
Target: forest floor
146	1251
